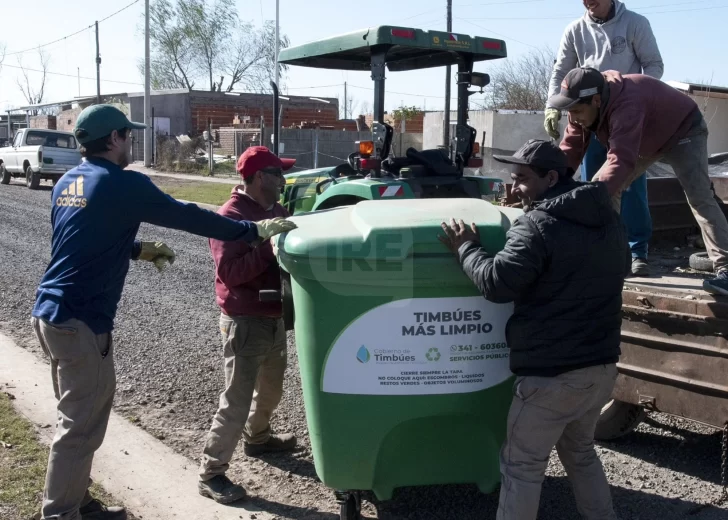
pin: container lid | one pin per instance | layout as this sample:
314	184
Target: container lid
390	230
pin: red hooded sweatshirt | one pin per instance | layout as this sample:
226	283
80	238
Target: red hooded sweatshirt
643	117
241	271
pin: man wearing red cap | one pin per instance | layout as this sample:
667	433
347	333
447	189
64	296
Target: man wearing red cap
253	333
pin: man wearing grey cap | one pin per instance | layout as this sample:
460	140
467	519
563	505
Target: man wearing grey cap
97	209
563	266
642	120
611	37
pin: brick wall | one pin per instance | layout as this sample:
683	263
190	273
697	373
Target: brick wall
245	138
43	122
222	110
66	120
415	125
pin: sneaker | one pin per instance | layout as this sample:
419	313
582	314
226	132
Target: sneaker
96	510
719	284
221	490
640	267
276	442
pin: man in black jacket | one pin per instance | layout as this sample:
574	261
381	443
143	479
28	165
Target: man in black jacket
563	266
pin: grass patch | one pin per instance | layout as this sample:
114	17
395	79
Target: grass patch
203	192
223	169
22	466
23	463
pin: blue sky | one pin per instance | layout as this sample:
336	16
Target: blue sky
691	36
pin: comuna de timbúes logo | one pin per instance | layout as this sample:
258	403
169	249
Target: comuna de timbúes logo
362	355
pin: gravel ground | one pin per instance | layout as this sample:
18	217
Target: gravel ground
170	374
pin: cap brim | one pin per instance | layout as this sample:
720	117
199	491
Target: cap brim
136	126
561	102
509	159
287	164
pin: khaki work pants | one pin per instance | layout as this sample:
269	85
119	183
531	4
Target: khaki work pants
559	411
689	160
84	382
255	362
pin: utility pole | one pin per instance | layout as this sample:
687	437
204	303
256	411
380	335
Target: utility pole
78	71
346	103
98	67
448	80
276	117
149	130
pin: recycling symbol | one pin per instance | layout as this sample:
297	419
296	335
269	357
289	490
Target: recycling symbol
433	354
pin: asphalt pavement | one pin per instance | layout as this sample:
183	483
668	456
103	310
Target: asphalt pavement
169	370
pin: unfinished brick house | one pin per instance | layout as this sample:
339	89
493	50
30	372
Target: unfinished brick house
185	111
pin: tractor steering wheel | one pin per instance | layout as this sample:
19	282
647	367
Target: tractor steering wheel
352	161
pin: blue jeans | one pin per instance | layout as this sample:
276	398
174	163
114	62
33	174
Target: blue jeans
635	209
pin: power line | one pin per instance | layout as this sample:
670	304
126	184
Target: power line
68	75
438	9
404	93
497	34
73	34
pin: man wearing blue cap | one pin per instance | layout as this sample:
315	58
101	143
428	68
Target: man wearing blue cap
97	209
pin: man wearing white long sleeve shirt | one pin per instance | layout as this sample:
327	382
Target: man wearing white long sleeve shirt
610	37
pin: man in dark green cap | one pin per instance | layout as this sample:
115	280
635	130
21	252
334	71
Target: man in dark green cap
97	209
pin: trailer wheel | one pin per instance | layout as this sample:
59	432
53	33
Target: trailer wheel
701	262
32	180
5	175
618	419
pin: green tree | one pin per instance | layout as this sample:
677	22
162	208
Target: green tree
204	41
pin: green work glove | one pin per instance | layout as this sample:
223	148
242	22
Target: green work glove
551	123
158	253
272	227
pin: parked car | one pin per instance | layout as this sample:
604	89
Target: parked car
37	155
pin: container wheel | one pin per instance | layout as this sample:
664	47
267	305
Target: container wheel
350	508
618	419
287	300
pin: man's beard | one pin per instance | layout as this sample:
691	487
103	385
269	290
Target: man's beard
124	161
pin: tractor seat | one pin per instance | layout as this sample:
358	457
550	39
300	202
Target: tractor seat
427	163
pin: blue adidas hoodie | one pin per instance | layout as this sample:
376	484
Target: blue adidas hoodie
97	211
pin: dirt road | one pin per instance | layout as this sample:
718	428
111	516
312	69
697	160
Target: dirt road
170	374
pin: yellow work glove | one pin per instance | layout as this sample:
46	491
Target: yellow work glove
551	123
274	226
158	253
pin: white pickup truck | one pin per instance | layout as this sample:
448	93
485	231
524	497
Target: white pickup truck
37	155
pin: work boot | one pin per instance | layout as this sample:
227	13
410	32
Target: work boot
640	267
719	284
95	510
221	490
276	442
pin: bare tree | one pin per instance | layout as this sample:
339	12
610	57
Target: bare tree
2	55
252	60
523	83
348	106
34	92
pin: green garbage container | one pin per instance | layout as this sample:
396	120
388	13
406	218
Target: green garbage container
404	365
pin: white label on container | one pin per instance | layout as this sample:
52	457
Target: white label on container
422	346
